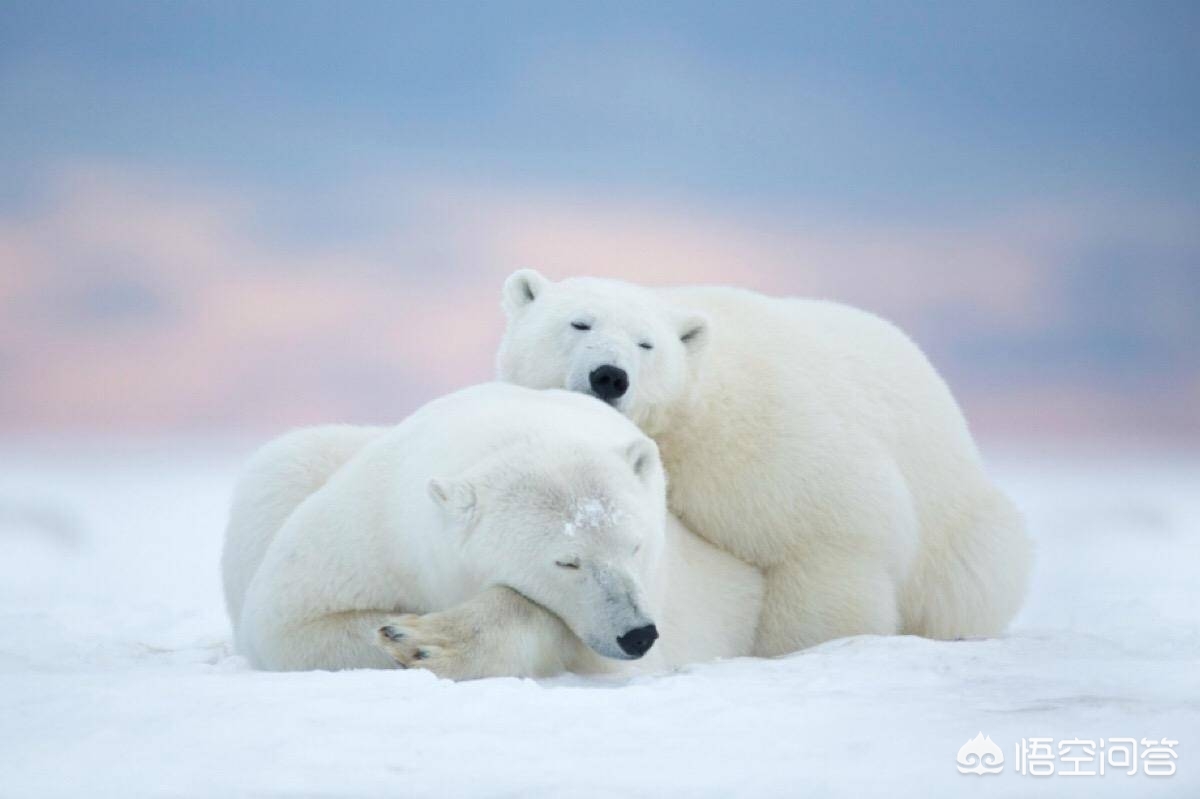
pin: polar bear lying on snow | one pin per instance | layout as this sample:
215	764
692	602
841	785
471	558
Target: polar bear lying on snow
810	439
496	531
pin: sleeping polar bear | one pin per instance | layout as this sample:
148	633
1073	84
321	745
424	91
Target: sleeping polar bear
496	531
810	439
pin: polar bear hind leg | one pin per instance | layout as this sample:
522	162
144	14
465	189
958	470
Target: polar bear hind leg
279	477
971	579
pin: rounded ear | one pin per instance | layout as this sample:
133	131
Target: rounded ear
642	456
456	498
522	288
693	330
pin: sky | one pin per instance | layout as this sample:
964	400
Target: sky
248	216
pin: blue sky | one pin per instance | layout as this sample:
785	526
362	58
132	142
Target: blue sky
868	107
932	118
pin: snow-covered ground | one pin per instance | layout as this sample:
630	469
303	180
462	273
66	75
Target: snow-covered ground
116	676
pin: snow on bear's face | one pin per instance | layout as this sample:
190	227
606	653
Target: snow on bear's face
577	531
613	340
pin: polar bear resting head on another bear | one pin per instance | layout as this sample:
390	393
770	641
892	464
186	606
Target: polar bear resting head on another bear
810	439
600	337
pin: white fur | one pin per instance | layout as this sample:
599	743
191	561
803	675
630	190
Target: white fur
439	544
808	438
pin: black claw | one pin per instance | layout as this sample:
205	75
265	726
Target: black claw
421	654
391	633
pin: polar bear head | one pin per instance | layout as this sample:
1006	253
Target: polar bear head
610	339
574	527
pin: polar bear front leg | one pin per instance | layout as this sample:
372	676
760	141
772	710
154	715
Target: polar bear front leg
807	602
497	633
340	640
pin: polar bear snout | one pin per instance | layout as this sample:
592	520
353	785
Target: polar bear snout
609	382
638	641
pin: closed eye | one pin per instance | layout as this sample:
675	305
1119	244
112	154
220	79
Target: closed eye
581	326
567	564
646	345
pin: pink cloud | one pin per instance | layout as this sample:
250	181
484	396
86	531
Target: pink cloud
255	330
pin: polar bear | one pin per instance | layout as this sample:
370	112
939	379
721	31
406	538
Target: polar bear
807	438
498	531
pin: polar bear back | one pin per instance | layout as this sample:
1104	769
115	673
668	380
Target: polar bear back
842	427
829	378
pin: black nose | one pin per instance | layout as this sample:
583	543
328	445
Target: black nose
638	641
609	382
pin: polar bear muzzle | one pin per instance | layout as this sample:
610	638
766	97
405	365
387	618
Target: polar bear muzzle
638	641
608	382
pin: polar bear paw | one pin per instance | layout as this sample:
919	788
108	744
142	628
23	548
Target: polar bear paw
426	642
